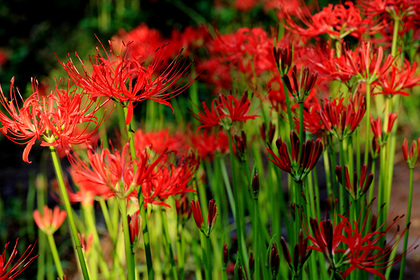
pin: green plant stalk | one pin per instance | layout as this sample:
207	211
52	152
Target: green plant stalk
67	207
327	174
343	200
130	136
208	258
408	217
358	162
225	176
55	256
239	219
42	247
146	238
257	253
181	250
169	243
367	141
91	224
129	254
333	164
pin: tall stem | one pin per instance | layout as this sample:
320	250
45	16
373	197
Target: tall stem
408	217
127	241
67	206
367	142
146	238
56	258
168	241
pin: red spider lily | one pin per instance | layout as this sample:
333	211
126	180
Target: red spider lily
113	174
376	125
126	80
208	118
357	188
300	164
61	118
389	9
300	254
9	271
342	120
283	58
160	141
267	135
399	79
198	216
364	248
367	63
135	225
337	21
170	181
234	109
302	89
245	6
49	220
207	144
274	260
412	155
355	244
85	242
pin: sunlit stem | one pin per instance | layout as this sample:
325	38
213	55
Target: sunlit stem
367	141
127	241
55	255
67	207
146	238
169	243
408	217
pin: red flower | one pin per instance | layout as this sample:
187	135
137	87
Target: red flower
376	125
50	220
302	89
126	80
399	79
207	145
342	120
359	187
9	271
208	117
135	225
366	62
412	155
198	216
61	118
300	164
301	253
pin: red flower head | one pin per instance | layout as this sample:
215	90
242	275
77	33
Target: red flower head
300	164
359	187
301	253
61	118
9	271
135	225
399	79
126	80
367	63
342	120
376	125
412	155
198	216
302	89
50	220
207	144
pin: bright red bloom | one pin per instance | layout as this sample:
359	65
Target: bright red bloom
50	220
9	271
198	216
299	164
342	120
337	21
367	62
61	118
160	141
135	225
376	125
245	6
126	79
300	90
207	144
359	187
412	155
225	111
399	79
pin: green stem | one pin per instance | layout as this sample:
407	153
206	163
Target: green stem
367	141
289	110
408	217
343	200
146	238
56	258
127	241
168	241
256	241
67	207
